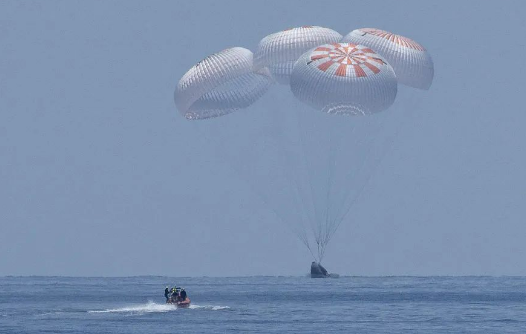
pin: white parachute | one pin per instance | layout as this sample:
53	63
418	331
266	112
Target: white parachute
410	60
279	51
220	84
314	165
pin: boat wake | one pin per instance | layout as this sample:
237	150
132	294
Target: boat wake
152	307
149	307
209	307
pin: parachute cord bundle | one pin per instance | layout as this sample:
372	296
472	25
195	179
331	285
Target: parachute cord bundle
327	225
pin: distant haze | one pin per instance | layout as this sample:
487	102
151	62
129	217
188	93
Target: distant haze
99	171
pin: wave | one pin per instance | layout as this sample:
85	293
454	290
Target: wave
152	307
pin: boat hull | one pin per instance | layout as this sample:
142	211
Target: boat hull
180	304
184	304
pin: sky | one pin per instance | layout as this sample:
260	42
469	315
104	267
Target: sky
101	176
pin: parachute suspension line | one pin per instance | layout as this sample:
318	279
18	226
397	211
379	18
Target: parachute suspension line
322	225
367	139
312	213
385	148
251	185
292	178
335	153
305	239
354	139
335	147
332	226
375	163
316	227
389	141
255	189
334	144
303	135
328	186
355	175
364	184
284	220
305	206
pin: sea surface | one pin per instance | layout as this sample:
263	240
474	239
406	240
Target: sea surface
264	305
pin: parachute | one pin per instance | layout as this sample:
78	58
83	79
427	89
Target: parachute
344	78
279	51
411	61
308	167
220	84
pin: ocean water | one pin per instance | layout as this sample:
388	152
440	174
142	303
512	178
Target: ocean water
264	305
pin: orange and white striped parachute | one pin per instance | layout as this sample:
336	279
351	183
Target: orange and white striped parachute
220	84
279	51
344	78
411	62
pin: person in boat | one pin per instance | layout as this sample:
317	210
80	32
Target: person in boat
182	295
175	295
166	293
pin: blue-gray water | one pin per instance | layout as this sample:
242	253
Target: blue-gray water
265	305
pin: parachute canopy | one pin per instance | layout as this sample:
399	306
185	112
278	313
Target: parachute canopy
220	84
411	61
279	51
344	78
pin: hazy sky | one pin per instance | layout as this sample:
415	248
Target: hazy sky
98	170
